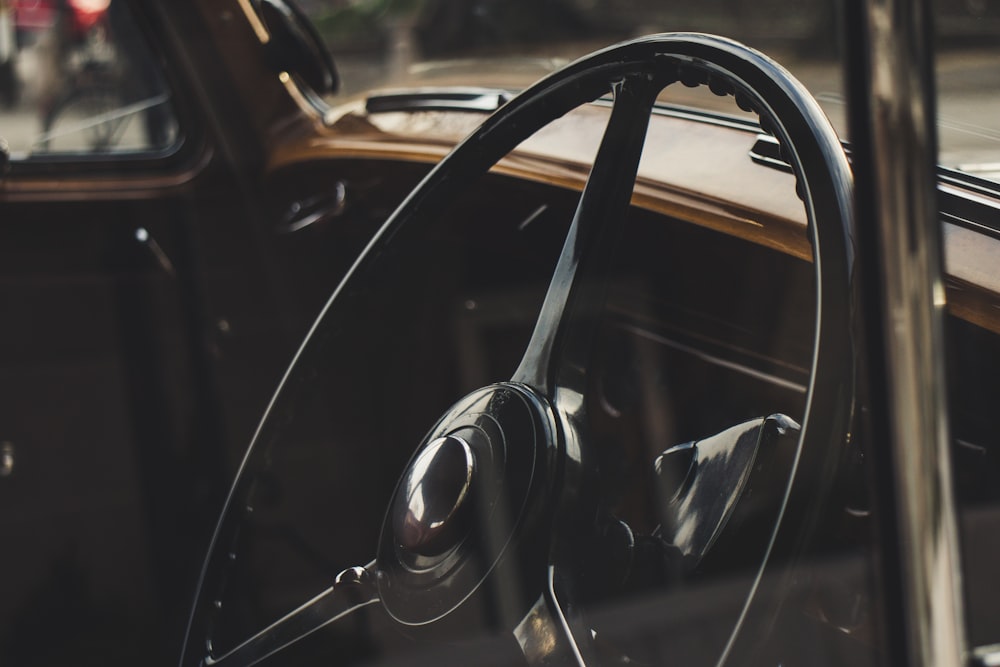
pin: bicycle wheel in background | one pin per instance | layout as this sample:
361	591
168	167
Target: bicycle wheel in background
86	119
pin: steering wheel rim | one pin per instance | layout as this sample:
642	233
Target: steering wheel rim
547	385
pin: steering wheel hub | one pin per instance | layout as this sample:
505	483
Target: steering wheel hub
461	503
432	514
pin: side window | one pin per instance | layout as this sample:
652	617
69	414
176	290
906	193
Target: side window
76	78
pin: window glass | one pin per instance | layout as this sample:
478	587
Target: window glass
511	44
968	77
401	42
77	78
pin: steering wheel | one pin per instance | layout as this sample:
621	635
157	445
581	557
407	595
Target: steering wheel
501	486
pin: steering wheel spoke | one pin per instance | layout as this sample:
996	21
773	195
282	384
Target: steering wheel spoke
565	326
552	634
352	591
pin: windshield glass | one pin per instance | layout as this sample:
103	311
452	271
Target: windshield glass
393	43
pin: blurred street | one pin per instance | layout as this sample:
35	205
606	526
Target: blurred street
22	125
968	87
968	91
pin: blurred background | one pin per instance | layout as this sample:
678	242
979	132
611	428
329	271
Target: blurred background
46	45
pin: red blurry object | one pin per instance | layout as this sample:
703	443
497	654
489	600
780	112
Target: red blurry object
86	13
42	14
34	14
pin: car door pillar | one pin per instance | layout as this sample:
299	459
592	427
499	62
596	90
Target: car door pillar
890	82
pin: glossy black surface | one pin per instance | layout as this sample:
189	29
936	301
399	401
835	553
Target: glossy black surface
716	477
352	590
295	47
433	509
508	432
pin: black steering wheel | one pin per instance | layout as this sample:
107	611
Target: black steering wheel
500	488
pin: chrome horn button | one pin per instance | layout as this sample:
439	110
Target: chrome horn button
432	514
460	511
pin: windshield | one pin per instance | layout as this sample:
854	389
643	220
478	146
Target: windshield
509	44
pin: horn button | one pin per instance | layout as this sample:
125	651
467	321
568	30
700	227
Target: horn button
432	513
461	508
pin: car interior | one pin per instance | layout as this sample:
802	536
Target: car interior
661	426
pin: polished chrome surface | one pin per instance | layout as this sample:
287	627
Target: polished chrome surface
470	495
427	514
900	117
303	213
484	100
